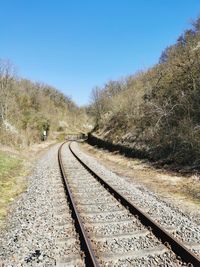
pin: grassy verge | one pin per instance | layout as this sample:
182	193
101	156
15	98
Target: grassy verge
12	180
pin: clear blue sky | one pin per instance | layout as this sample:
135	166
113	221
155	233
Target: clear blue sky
77	44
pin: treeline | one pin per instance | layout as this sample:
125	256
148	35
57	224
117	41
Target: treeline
27	109
158	110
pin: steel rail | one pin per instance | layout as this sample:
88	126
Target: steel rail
90	259
167	239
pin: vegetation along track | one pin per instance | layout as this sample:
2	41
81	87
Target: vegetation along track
114	232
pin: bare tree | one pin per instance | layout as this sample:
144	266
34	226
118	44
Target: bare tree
96	103
7	74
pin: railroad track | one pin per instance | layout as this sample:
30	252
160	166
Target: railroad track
112	231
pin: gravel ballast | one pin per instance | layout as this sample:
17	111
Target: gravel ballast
40	230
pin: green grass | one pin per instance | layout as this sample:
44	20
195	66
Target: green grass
12	181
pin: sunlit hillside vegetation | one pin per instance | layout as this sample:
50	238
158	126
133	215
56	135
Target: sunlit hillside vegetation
158	110
28	108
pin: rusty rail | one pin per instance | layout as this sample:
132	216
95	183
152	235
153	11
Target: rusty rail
176	246
90	259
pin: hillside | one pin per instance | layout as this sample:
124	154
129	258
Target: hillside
27	109
157	110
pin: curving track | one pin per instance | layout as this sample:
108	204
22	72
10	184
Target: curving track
113	232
